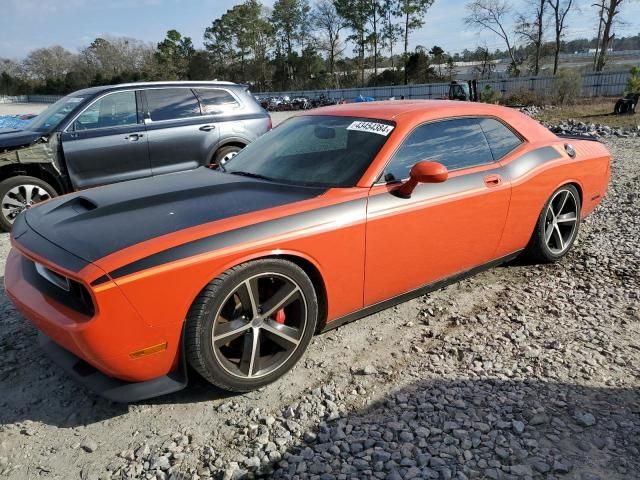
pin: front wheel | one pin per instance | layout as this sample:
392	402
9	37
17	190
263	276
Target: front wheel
557	226
20	193
250	325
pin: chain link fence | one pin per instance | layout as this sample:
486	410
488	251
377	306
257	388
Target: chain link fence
593	85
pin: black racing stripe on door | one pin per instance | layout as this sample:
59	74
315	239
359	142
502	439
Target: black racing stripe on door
332	216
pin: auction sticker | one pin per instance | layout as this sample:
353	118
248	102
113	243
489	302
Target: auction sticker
371	127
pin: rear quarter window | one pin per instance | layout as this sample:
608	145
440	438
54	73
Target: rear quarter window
501	139
171	103
216	100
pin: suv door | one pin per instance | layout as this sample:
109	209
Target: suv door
106	142
180	138
443	228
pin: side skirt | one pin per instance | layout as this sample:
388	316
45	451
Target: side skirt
430	287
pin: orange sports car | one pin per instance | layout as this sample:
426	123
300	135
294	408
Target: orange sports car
330	217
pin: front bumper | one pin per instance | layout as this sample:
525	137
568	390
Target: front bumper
109	387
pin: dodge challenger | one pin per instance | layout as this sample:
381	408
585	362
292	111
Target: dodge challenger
330	217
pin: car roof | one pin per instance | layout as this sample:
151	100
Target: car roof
121	86
393	109
413	112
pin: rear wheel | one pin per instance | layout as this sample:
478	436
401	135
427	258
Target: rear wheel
20	193
224	154
250	325
557	226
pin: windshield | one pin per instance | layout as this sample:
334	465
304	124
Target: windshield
314	151
54	114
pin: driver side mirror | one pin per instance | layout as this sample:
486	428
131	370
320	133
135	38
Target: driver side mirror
423	172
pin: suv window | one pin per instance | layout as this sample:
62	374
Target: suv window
215	100
112	110
458	143
501	139
171	103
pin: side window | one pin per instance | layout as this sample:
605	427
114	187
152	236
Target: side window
112	110
171	103
500	138
215	100
457	144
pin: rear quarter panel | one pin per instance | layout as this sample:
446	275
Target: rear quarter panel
589	171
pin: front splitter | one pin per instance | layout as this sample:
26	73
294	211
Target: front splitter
111	388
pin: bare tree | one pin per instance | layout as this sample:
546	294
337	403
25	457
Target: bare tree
328	24
49	63
559	11
609	9
533	30
492	15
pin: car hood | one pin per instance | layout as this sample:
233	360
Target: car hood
94	223
10	137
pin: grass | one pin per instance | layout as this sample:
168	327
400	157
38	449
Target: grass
592	110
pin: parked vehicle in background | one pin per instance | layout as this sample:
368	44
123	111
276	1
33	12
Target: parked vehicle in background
301	103
322	101
113	133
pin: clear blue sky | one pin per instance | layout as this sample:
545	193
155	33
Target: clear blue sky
29	24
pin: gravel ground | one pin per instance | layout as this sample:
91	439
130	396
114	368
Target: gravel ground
523	371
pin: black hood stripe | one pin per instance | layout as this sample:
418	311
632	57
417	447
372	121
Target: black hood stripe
99	222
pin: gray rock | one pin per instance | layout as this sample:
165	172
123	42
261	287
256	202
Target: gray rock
89	445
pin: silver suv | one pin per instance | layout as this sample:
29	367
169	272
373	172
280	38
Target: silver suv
114	133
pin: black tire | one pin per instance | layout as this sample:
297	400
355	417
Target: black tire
224	154
539	249
15	190
208	359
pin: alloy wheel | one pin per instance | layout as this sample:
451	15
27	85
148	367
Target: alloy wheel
21	197
259	325
228	157
561	221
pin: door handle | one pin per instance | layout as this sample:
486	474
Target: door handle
207	128
134	136
493	180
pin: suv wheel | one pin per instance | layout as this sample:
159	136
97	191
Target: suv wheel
19	193
224	154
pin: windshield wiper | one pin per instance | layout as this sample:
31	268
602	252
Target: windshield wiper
251	175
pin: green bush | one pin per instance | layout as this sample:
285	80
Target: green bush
487	95
633	84
523	97
567	87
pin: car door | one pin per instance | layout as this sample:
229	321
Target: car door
444	228
180	138
107	142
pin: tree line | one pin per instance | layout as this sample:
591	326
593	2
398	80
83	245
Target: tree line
299	44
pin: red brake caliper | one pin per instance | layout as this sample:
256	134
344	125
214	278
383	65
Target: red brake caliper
280	317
